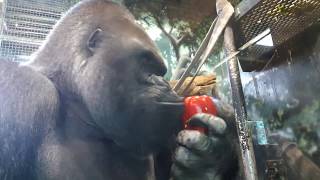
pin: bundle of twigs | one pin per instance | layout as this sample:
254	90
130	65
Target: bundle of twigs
202	85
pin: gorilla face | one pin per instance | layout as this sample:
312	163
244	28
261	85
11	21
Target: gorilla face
122	87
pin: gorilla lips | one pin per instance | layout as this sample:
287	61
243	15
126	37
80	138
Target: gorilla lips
194	105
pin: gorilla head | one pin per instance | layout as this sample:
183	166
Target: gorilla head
98	57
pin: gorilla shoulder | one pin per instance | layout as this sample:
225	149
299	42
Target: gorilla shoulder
27	97
28	110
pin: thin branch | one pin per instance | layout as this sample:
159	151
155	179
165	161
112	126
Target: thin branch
145	20
171	29
182	38
172	39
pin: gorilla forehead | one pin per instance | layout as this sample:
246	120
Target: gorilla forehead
107	15
116	21
86	7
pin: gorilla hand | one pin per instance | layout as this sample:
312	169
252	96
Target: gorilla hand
200	156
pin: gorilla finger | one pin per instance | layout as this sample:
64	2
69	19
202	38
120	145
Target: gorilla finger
224	109
215	125
196	141
187	159
180	173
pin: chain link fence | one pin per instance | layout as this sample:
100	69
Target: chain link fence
25	25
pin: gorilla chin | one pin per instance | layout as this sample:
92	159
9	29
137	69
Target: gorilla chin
159	123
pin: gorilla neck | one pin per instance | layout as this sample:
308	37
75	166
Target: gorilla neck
58	71
77	123
89	145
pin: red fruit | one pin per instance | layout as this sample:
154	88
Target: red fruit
197	104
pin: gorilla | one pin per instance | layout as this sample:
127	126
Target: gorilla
91	103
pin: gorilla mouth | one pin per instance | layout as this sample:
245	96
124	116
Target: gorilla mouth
170	98
170	103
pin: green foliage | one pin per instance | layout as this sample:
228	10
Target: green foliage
158	13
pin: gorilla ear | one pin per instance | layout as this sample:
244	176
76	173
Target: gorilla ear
93	40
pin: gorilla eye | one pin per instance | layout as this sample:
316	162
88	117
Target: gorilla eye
151	64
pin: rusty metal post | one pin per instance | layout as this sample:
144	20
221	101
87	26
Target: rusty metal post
247	158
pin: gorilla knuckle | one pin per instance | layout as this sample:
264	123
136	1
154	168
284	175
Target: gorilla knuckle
190	138
186	158
218	125
215	124
202	116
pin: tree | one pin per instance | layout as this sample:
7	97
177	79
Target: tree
183	22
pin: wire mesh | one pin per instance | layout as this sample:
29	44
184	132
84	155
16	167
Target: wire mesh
285	18
25	25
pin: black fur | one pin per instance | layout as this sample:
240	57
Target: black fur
83	110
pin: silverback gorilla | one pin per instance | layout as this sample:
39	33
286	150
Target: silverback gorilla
90	105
